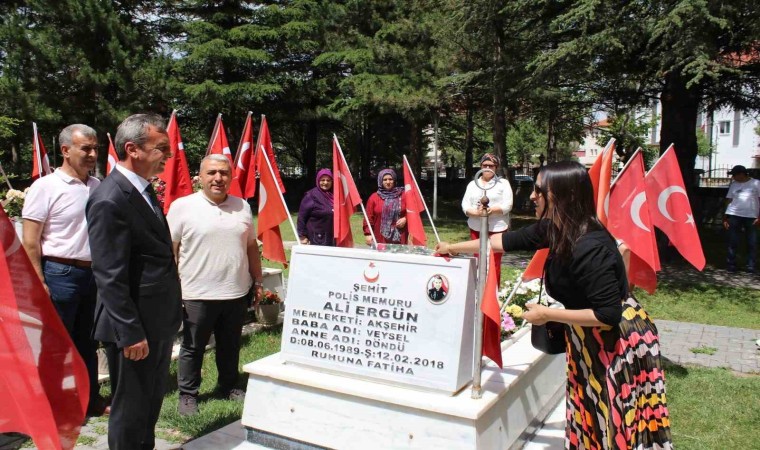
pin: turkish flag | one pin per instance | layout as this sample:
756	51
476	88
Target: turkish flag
218	144
630	222
113	158
670	209
491	313
272	212
414	207
345	198
265	140
43	381
40	161
176	172
536	265
601	176
244	171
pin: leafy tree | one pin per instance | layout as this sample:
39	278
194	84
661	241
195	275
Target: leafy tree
525	141
74	61
687	53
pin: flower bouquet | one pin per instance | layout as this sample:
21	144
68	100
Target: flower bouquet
14	202
512	309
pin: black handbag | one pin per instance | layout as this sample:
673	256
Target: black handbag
549	337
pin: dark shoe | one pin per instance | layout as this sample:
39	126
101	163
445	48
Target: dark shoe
98	407
188	405
237	395
731	269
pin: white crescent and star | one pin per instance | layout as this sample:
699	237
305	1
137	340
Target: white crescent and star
245	148
344	184
636	205
662	202
262	196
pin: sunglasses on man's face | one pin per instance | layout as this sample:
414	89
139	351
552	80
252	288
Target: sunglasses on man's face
488	166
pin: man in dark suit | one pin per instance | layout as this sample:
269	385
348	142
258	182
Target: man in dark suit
138	310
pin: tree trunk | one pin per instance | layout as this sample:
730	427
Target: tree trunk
551	138
415	152
469	142
310	152
680	107
500	130
365	150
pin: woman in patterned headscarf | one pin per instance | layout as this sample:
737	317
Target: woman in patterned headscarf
315	216
386	211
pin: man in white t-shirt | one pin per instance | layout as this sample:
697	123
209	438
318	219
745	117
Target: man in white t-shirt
55	238
218	258
742	216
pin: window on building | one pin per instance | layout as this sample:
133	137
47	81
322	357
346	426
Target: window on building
724	127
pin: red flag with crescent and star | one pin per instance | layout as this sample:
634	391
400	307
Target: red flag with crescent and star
601	176
670	209
244	171
630	222
272	211
414	207
265	141
176	172
44	385
40	161
345	198
113	158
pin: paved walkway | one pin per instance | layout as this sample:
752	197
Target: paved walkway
710	346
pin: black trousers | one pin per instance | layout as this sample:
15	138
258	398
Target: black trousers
138	389
224	318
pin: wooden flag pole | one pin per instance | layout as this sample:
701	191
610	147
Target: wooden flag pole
7	181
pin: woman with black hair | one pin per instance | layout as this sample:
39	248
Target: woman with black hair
616	386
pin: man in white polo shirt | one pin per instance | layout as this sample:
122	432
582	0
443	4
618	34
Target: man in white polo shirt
55	238
742	216
218	258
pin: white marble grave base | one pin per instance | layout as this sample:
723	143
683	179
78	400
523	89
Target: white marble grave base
297	405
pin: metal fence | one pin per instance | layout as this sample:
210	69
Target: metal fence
716	177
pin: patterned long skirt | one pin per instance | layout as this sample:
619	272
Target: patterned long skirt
616	386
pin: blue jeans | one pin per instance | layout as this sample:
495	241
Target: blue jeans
73	292
738	226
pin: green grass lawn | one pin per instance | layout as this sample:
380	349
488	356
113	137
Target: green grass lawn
713	408
214	412
703	303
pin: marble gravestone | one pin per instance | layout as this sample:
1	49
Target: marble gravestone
395	318
377	353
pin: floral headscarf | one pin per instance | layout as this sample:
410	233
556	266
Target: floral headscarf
391	206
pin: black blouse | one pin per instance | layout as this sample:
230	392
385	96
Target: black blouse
594	277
